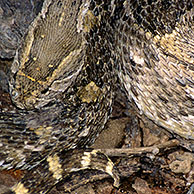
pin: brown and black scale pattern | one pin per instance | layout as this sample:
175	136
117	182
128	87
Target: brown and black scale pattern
71	119
134	40
67	110
157	61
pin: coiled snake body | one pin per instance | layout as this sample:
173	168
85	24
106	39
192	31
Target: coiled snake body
63	76
158	63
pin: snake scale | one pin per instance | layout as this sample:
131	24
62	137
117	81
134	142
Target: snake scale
64	73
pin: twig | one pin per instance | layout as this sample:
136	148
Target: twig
142	150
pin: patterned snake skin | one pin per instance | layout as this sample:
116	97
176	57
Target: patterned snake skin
63	76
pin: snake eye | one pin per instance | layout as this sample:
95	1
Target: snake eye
14	94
